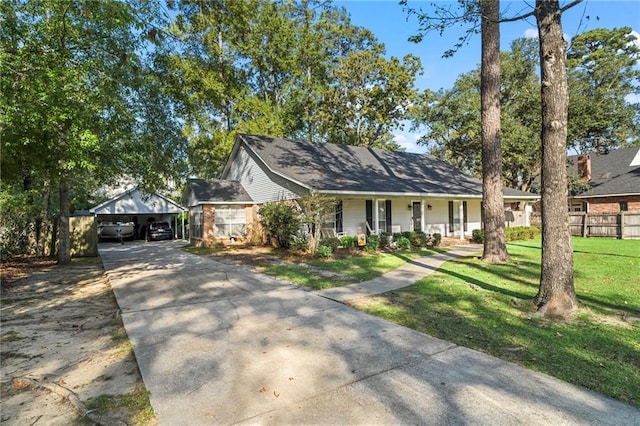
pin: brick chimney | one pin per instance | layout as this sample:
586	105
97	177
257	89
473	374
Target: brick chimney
584	167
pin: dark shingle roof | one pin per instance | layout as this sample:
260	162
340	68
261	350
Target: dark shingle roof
343	168
219	191
611	173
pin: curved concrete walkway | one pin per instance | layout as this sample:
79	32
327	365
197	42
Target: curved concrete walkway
403	276
219	344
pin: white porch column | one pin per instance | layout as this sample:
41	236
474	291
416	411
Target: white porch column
422	216
461	216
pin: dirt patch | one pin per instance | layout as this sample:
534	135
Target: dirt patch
62	344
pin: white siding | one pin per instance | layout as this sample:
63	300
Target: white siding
353	216
258	184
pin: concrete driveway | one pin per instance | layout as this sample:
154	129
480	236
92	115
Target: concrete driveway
219	344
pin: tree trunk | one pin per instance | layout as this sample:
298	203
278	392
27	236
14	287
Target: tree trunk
495	247
556	296
64	239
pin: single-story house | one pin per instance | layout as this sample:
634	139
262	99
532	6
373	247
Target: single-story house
135	206
612	181
377	190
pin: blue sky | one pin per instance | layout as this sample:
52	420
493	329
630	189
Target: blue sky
387	20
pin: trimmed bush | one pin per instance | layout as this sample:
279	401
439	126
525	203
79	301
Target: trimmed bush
403	243
281	221
436	239
323	251
331	242
373	243
348	241
517	233
418	239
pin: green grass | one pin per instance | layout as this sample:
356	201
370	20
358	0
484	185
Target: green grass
135	402
486	307
355	269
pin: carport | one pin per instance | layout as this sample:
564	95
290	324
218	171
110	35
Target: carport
140	208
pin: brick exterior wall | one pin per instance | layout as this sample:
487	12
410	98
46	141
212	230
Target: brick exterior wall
612	204
253	229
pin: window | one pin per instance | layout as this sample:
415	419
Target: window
384	215
624	206
196	222
333	220
231	221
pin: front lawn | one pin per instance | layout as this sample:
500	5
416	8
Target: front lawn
345	271
486	307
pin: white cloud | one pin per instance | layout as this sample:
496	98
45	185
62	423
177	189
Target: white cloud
408	141
533	33
637	36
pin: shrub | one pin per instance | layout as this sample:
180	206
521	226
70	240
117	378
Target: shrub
418	239
477	236
348	241
299	243
280	221
332	242
385	240
436	239
323	251
403	243
373	243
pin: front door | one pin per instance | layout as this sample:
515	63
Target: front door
417	216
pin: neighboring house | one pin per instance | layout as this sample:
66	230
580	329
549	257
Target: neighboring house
139	208
611	181
377	190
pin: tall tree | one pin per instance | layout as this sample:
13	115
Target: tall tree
495	243
603	83
450	119
556	295
295	69
70	76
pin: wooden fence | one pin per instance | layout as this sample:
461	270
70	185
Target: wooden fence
625	225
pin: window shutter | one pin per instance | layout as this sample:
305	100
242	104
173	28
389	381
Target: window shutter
369	214
339	216
464	214
451	216
387	209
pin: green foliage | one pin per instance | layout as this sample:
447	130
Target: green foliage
315	210
451	118
436	239
385	240
18	214
281	221
517	233
348	241
331	242
373	243
602	71
295	69
299	243
323	252
403	243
